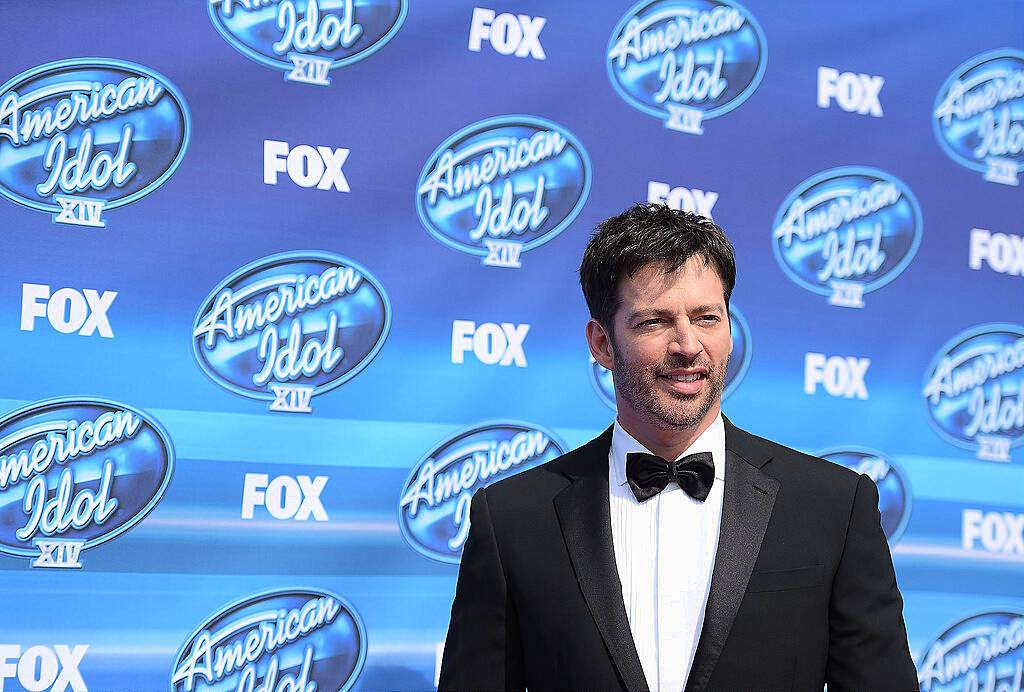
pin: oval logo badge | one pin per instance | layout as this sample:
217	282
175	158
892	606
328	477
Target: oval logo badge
433	510
894	497
503	186
290	326
686	61
974	390
739	359
292	639
739	362
308	38
979	115
79	137
76	473
981	652
846	232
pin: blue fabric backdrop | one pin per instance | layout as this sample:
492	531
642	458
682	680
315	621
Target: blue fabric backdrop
284	282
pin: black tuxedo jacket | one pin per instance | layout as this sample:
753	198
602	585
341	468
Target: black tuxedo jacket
802	592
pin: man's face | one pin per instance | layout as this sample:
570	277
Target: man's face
669	347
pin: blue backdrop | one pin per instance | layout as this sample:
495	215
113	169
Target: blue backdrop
285	281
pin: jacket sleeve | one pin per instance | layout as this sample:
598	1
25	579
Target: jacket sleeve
867	636
482	650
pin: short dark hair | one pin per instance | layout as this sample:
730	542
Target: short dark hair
649	233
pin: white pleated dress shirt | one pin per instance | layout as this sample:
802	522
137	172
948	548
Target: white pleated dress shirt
665	552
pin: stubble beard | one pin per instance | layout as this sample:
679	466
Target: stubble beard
636	387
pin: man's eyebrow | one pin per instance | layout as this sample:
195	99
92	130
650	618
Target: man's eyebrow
718	308
645	312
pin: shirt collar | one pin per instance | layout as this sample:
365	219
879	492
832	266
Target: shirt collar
711	440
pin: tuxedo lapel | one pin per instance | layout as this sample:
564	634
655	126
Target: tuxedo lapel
746	508
585	519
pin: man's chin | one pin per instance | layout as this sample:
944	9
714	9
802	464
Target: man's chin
680	420
686	411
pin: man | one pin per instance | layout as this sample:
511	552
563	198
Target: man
675	551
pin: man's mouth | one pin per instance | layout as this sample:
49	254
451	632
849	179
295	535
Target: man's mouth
687	377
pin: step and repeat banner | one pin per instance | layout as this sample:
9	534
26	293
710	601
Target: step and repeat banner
285	281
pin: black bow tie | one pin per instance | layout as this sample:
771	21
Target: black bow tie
648	474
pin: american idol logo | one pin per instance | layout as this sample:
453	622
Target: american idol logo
981	652
307	38
894	497
739	362
288	327
979	115
686	61
433	511
846	232
78	137
974	390
299	640
503	186
76	473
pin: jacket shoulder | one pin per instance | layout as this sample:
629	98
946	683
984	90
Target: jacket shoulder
550	477
786	463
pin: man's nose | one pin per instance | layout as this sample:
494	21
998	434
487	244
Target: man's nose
685	342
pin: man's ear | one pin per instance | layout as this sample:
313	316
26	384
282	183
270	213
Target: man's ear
600	343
